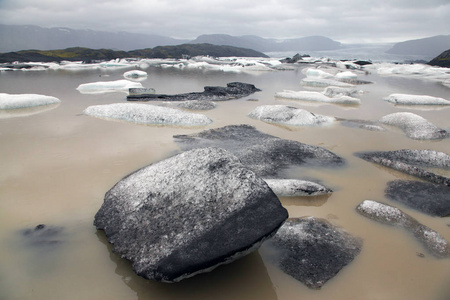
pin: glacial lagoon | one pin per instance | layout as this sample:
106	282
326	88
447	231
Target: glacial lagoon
57	164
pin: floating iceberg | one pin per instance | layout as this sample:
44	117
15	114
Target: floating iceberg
288	115
414	126
323	82
296	187
333	91
317	97
135	74
11	101
146	114
313	72
346	75
405	99
107	86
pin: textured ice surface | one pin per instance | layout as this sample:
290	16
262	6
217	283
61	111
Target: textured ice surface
188	214
433	241
405	99
323	82
14	101
414	126
296	187
317	97
410	161
312	250
100	87
147	114
288	115
135	74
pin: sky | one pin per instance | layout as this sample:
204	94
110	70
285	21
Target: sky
346	21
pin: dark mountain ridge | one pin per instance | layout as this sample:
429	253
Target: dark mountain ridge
430	46
89	55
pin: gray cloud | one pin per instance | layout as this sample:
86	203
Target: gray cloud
347	21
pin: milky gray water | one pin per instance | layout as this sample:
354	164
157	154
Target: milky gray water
56	165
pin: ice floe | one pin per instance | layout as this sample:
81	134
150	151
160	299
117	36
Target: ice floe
318	96
296	187
147	114
414	126
100	87
420	71
133	74
288	115
15	101
406	99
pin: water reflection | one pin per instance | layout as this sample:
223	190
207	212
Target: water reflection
27	111
305	201
246	278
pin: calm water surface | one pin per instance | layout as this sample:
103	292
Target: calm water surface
55	167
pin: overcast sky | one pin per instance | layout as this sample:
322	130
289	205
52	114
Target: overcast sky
346	21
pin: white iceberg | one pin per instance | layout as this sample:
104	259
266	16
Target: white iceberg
323	82
313	72
146	114
333	91
14	101
135	74
317	97
296	187
414	126
346	75
288	115
406	99
107	86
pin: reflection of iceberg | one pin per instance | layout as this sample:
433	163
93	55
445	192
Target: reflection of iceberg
107	86
146	114
14	101
26	111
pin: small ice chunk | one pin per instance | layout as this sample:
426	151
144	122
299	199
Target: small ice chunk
146	114
323	82
333	91
346	75
312	72
414	126
14	101
107	86
296	187
405	99
288	115
317	97
135	74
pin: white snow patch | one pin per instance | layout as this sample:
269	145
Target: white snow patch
14	101
147	114
107	86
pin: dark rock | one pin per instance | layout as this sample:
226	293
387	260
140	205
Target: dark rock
442	60
390	215
264	154
43	236
429	198
188	214
409	161
362	62
312	250
233	90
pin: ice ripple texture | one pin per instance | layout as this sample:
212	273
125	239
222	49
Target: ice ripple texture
147	114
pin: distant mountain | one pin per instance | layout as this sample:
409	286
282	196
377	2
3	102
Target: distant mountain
431	46
89	55
25	37
442	60
310	43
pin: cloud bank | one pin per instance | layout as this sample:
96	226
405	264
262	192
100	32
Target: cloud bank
345	21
